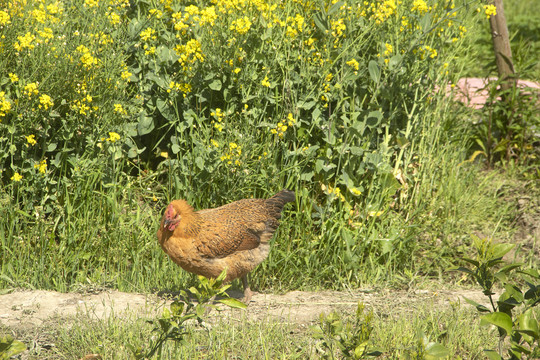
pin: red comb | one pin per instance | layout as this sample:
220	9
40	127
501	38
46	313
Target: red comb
170	213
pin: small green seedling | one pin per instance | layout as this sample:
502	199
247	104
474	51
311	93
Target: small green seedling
10	347
351	338
513	312
171	326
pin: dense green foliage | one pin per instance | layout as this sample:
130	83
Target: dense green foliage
111	109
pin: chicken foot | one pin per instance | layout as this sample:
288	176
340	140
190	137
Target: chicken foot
247	291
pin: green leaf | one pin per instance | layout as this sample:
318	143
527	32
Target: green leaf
374	71
199	162
373	119
166	109
215	85
394	61
508	268
360	350
425	22
462	269
478	306
436	351
10	347
233	303
334	8
145	125
492	355
177	308
222	276
528	324
531	272
320	22
307	176
51	146
499	319
471	261
499	250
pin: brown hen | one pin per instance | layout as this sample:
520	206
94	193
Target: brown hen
234	236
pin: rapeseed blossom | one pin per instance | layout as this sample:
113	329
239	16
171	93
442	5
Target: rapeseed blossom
113	137
241	25
5	105
189	53
86	58
148	34
31	89
233	154
490	10
45	102
119	109
353	63
42	166
25	41
420	6
4	18
31	139
16	177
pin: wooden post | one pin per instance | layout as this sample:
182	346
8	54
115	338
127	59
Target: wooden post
501	47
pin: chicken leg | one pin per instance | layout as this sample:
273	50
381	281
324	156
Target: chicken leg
247	291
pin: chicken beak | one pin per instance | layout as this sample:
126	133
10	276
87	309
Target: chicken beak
171	224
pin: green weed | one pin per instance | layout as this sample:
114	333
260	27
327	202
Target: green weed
513	312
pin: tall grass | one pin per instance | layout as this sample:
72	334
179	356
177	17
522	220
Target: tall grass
151	101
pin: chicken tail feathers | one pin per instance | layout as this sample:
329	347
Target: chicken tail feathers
278	201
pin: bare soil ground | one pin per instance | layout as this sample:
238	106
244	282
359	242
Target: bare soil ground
29	310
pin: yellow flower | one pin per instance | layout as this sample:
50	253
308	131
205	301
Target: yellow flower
353	63
42	166
91	3
14	78
189	53
148	34
114	18
45	101
491	10
389	49
208	16
420	6
126	74
291	119
338	27
119	109
156	12
24	42
5	105
164	154
4	18
356	191
31	89
241	25
31	139
265	82
113	137
16	177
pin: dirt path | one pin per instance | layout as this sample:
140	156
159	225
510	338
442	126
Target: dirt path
30	309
